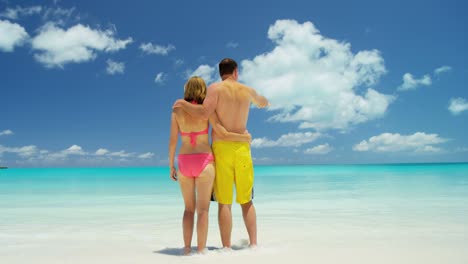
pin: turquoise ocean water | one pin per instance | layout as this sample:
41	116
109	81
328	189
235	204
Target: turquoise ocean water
411	202
33	194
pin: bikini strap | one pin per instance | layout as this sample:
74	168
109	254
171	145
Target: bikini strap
193	135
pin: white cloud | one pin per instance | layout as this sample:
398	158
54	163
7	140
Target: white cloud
319	150
74	150
114	67
146	155
15	13
11	35
101	152
262	160
388	142
315	80
429	149
442	69
57	13
204	71
6	132
179	62
74	154
150	48
121	154
24	152
458	105
57	47
461	149
160	78
410	83
232	44
287	140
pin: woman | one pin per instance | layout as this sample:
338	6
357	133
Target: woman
196	162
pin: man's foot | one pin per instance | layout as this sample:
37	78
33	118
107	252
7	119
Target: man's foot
202	251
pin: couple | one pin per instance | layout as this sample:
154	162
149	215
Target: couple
226	105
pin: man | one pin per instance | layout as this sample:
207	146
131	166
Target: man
231	101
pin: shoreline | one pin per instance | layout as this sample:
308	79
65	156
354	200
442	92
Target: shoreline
409	164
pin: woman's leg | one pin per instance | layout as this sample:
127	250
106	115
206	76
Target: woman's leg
187	186
204	186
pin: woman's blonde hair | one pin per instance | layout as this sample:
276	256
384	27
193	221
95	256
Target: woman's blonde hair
195	90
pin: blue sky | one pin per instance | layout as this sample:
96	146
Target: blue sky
91	83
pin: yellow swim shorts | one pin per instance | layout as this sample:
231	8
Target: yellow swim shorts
233	166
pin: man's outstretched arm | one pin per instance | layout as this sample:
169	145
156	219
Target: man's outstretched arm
259	100
203	111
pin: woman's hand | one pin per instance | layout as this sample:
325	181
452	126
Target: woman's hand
173	174
249	136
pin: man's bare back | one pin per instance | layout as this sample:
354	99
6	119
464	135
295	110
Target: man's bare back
233	105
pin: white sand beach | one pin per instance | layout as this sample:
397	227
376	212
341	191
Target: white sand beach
284	240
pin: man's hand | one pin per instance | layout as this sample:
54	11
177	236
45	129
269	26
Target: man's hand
178	104
263	103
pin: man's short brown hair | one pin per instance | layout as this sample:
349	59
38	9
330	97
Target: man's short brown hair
227	66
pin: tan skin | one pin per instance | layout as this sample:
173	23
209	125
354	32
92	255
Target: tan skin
230	100
196	192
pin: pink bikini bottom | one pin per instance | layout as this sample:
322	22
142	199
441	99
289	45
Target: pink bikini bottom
191	165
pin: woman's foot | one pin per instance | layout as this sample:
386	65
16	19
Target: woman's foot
187	251
202	251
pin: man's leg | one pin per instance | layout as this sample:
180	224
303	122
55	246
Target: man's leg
223	187
250	220
225	223
244	181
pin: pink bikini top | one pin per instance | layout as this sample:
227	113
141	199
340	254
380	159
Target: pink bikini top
193	135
